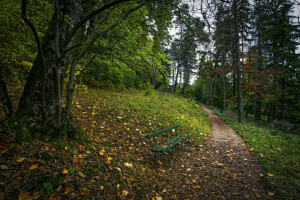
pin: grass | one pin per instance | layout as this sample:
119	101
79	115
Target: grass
111	158
152	112
278	152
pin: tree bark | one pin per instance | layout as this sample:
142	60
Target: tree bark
237	62
179	58
257	105
31	101
210	81
6	103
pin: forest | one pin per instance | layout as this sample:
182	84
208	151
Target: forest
82	83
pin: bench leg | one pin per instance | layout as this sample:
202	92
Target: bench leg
171	156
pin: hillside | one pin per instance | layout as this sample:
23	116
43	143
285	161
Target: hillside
111	158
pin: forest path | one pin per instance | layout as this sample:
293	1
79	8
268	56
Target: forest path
239	175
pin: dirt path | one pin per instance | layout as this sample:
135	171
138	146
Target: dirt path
232	172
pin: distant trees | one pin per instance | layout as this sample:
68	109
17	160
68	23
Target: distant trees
255	61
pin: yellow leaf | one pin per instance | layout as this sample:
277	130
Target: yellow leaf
68	189
118	186
65	171
34	166
279	149
24	196
270	194
251	149
128	164
102	152
20	159
3	167
80	156
270	174
85	191
66	148
125	193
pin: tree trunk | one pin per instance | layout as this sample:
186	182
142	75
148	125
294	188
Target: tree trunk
224	81
179	59
5	97
237	63
210	81
257	105
30	103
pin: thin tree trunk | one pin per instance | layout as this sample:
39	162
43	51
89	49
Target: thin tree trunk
237	63
179	57
5	97
210	81
257	105
224	81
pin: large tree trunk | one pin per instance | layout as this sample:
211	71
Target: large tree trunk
31	100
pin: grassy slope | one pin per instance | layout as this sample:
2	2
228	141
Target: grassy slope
278	152
118	122
112	159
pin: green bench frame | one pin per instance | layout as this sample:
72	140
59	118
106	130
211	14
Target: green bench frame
167	146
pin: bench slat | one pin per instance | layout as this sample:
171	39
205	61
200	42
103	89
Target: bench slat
162	131
163	149
173	139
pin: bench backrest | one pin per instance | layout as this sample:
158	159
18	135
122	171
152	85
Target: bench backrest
161	131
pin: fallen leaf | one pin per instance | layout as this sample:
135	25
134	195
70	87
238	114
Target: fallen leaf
270	194
20	159
3	167
128	164
102	152
85	191
52	197
52	149
24	196
81	174
125	193
270	174
65	171
108	162
68	189
34	166
251	149
19	146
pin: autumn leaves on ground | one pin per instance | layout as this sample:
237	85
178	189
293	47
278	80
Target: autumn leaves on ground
108	155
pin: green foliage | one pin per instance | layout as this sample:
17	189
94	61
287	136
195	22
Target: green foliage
18	47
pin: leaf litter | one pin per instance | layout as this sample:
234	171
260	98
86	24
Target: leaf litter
116	163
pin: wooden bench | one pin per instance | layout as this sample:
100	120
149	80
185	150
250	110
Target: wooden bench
168	145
